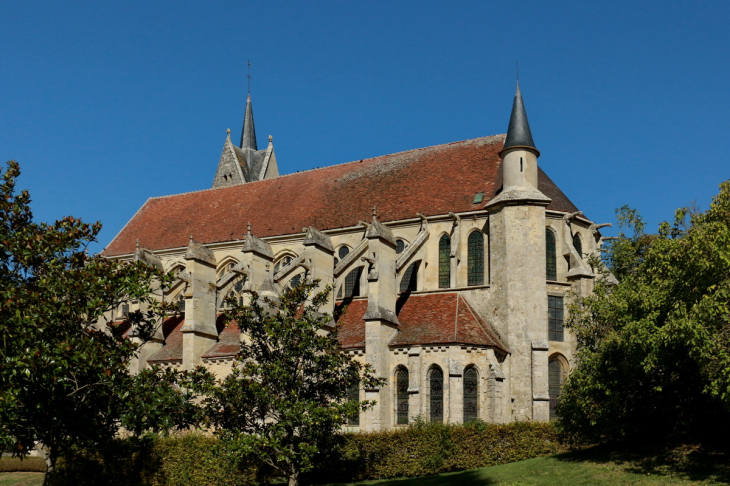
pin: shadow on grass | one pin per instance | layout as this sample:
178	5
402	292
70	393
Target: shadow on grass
471	477
693	462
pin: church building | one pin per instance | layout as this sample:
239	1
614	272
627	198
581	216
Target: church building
455	281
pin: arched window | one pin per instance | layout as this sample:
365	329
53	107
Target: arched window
296	280
400	245
401	396
353	395
444	262
475	259
352	283
436	385
556	378
471	394
577	244
343	252
282	263
410	278
180	302
550	258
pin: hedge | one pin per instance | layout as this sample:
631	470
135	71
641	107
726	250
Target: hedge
417	450
424	449
29	464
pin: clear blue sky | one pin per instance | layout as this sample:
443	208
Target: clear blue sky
105	104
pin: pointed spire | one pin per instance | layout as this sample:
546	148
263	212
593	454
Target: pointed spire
248	134
518	133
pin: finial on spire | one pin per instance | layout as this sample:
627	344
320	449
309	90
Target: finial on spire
249	77
228	131
137	243
271	139
191	238
375	211
248	228
518	133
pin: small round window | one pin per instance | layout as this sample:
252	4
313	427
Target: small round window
400	245
343	252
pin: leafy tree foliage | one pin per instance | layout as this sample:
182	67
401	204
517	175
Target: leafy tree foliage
64	376
286	398
654	350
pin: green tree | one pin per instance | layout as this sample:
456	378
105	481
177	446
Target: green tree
654	350
287	396
64	377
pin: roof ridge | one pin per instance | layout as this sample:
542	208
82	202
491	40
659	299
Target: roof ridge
486	138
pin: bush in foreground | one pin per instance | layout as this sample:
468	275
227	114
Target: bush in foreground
420	449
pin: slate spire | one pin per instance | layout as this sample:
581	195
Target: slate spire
248	134
518	133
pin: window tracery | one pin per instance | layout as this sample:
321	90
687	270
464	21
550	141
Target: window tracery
444	262
475	259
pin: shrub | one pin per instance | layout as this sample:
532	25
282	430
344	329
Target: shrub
419	449
29	464
425	448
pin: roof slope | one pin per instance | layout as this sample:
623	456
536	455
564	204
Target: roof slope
438	318
401	185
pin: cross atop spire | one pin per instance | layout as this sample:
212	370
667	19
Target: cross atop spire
249	76
518	133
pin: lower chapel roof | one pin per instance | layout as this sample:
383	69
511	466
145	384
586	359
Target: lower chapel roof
430	181
427	319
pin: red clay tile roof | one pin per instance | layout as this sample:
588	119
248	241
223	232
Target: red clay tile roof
229	342
173	348
350	326
430	181
441	318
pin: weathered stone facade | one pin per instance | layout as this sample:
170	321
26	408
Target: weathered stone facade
456	285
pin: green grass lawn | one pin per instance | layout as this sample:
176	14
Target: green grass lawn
686	465
21	479
681	466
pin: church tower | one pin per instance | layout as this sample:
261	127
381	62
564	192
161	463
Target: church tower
518	279
245	163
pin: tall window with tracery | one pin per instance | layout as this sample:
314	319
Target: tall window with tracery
577	244
436	386
353	395
471	394
475	259
444	262
410	278
551	262
401	396
556	377
555	318
352	283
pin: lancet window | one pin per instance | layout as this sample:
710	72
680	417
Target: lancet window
401	396
471	394
551	262
577	244
410	278
475	259
436	398
444	262
556	377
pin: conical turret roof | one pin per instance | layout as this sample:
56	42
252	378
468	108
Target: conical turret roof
518	133
248	134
